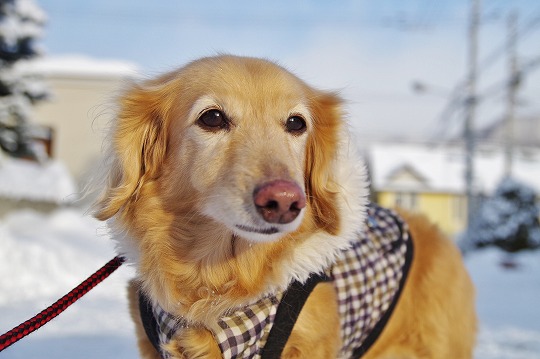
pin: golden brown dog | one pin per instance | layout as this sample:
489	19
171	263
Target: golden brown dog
231	178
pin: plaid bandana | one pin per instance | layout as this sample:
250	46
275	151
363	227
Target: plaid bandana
367	278
242	334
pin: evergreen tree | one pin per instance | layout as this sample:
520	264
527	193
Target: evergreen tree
509	219
21	23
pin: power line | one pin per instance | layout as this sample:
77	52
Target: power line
456	99
533	22
429	13
493	6
521	33
454	108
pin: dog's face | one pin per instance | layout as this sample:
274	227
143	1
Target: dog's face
238	140
250	141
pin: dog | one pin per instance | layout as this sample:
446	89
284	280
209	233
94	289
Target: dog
233	186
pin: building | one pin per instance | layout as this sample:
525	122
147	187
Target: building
80	107
70	125
430	179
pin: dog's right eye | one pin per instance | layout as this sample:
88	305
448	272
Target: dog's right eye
213	120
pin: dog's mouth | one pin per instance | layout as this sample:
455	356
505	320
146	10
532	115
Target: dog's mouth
270	230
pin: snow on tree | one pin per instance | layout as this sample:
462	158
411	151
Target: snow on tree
508	220
21	24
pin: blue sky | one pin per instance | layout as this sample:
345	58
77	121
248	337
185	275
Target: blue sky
170	31
370	50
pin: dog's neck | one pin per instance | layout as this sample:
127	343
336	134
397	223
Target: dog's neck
220	273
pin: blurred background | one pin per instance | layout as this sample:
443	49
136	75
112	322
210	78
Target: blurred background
443	96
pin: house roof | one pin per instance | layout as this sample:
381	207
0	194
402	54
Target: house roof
442	168
78	66
406	176
27	180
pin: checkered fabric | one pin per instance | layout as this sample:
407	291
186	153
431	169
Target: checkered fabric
243	333
168	325
366	278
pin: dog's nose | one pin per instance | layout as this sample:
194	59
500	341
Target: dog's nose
279	201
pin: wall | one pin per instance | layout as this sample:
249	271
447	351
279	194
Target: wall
447	210
79	111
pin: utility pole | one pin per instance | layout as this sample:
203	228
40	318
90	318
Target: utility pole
470	104
513	84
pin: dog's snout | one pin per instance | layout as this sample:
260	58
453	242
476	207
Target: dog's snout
279	201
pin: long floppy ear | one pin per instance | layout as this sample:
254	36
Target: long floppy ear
322	148
138	145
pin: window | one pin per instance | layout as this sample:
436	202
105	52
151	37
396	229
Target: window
406	200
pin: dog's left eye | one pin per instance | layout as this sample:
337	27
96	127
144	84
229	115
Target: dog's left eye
213	120
296	125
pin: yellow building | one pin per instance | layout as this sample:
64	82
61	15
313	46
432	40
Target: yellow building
447	209
430	179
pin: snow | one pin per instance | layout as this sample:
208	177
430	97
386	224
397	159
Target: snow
443	169
28	9
44	256
21	24
507	304
24	19
77	66
509	219
27	180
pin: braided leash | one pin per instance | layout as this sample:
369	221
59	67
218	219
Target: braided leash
45	316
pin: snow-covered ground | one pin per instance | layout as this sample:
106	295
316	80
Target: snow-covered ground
507	304
41	259
44	256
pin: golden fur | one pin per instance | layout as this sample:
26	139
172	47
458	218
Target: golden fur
175	191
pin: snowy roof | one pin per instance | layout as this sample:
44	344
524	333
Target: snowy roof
78	66
27	180
442	168
406	176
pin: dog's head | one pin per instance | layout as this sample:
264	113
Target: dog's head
239	141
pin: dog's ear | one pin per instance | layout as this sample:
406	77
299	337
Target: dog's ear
321	154
138	145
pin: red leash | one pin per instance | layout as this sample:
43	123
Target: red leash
22	330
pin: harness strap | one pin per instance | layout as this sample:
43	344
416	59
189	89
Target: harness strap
149	321
287	313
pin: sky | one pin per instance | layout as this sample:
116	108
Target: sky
369	51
